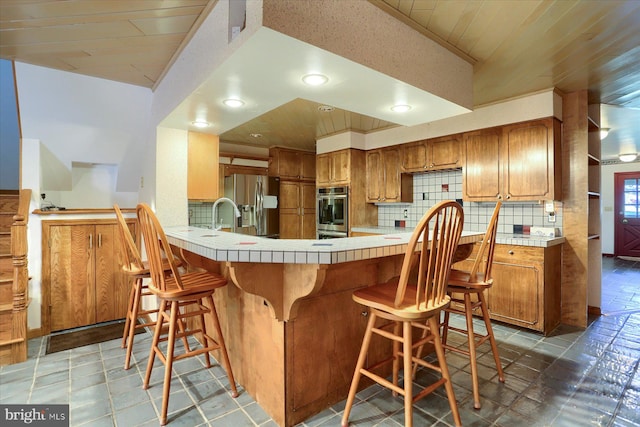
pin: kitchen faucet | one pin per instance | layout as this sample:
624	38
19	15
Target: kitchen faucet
215	211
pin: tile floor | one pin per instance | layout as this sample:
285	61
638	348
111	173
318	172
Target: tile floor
572	378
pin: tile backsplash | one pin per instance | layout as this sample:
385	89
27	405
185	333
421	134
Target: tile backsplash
428	189
433	187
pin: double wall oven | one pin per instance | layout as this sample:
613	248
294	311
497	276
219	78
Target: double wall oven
332	212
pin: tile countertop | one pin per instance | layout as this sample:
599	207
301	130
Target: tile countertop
501	238
224	246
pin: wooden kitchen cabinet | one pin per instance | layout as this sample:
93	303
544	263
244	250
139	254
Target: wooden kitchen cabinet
292	164
297	210
385	180
333	169
203	174
518	162
82	273
432	154
526	285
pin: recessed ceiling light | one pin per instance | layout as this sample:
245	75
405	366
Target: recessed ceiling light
315	79
200	123
629	157
255	135
401	108
233	103
325	108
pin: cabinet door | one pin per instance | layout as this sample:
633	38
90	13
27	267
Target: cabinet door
112	286
445	153
375	176
323	169
482	168
202	163
289	210
515	296
391	175
340	167
414	157
527	158
308	166
308	218
71	278
288	166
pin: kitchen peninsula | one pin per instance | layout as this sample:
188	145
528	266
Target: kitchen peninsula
292	329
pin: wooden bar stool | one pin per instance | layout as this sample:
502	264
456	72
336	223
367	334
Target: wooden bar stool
136	270
463	286
176	290
405	306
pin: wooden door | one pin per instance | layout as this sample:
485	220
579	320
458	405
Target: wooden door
414	157
391	175
290	207
308	217
482	168
627	219
445	152
202	166
527	158
375	176
288	164
340	167
515	296
308	166
323	168
112	286
71	276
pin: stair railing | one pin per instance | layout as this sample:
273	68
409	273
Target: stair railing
20	278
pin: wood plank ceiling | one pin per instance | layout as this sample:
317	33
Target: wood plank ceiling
517	47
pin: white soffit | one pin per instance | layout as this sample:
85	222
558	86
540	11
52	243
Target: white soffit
266	71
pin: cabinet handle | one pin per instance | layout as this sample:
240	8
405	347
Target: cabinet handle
499	196
90	241
99	240
510	252
432	165
508	196
364	313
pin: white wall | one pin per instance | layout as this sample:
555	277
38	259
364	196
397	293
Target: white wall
607	213
82	119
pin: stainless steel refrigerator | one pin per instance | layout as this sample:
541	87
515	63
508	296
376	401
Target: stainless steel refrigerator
257	199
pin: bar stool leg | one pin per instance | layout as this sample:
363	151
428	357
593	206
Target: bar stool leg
492	339
127	320
132	318
471	338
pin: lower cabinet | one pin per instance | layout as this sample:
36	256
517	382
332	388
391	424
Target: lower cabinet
526	286
297	210
82	276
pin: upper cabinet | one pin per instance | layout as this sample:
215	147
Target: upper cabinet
432	154
333	168
203	180
292	164
385	180
518	162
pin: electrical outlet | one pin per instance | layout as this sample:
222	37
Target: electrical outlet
552	217
142	182
405	214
